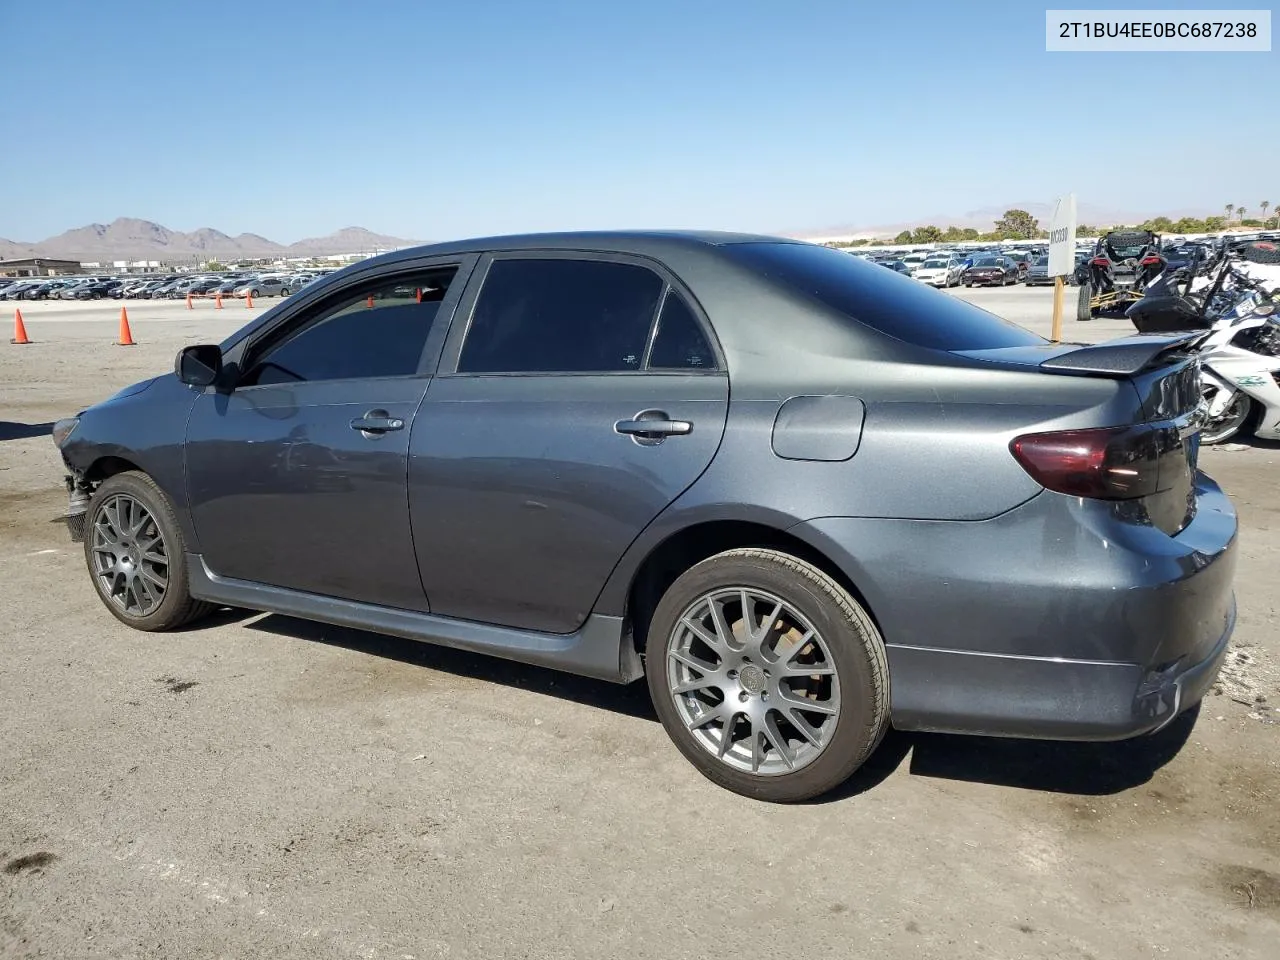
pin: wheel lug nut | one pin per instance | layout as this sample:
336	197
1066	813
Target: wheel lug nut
743	696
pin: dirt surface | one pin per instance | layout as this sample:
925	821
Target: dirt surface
261	786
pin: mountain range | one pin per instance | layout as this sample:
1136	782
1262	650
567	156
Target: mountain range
131	239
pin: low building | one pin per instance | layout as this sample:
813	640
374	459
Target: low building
38	267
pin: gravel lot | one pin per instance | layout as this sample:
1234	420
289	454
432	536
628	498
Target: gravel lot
261	786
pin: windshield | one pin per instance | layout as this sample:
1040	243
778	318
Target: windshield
987	262
935	264
883	300
1042	262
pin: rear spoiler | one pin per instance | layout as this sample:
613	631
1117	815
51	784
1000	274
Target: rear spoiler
1127	355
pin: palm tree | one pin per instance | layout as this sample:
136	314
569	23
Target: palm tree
1265	204
1239	212
1230	208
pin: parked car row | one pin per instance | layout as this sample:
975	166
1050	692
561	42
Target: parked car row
150	287
951	268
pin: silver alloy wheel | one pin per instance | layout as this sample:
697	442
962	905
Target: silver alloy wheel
130	558
753	681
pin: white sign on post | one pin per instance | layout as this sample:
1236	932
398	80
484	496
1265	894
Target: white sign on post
1062	237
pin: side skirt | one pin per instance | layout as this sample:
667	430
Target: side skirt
598	649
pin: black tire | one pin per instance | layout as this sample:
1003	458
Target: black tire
1127	238
177	607
968	283
284	291
856	650
254	293
1082	303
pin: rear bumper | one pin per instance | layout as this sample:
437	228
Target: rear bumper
951	691
1055	620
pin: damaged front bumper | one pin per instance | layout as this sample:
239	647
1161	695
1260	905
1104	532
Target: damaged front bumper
78	495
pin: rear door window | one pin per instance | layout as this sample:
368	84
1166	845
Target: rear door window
560	315
880	299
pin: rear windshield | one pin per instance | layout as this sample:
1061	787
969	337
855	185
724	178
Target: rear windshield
881	299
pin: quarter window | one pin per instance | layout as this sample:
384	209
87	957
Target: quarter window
561	316
372	330
679	343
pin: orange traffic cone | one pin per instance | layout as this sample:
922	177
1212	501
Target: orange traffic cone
419	292
126	335
19	329
370	301
248	301
189	306
217	302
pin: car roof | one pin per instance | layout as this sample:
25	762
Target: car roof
650	242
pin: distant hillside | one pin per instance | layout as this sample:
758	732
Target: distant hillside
131	239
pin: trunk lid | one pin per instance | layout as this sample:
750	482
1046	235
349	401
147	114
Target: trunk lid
1165	373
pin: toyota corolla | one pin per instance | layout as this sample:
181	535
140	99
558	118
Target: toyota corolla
805	497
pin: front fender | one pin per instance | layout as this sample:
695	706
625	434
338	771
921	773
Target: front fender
146	427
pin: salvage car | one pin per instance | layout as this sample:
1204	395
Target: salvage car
940	272
991	272
806	498
1038	273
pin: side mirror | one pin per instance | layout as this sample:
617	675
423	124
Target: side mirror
198	366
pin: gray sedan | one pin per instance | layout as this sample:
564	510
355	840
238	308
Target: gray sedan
1038	273
802	496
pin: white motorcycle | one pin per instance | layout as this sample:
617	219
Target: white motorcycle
1240	376
1240	354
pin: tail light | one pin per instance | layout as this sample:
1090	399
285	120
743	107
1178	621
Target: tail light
1108	463
1149	261
1100	262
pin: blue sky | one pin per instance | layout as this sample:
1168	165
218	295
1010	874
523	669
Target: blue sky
431	120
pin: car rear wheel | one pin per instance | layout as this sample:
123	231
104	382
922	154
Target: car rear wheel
767	675
136	555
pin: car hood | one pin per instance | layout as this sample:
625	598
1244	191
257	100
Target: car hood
131	390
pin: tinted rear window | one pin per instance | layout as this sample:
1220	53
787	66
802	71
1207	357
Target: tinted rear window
881	299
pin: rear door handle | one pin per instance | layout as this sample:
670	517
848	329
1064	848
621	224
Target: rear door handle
377	422
652	426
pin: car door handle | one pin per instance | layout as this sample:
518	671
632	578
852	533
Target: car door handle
377	422
653	425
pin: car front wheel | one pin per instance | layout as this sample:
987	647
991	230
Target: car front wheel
767	675
136	555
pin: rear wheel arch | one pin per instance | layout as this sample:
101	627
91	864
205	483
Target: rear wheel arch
691	545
